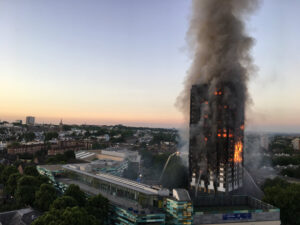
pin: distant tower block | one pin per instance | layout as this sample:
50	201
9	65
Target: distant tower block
216	142
30	120
61	126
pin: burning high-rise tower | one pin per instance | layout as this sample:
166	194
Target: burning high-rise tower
216	139
215	92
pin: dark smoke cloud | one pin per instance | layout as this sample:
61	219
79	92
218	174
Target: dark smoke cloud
220	49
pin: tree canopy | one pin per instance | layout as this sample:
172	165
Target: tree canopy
30	136
66	210
26	188
98	206
51	135
75	192
45	196
33	189
63	202
31	171
74	216
11	184
286	197
6	172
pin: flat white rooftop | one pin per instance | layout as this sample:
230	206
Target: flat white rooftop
83	155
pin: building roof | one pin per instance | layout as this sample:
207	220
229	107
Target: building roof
83	155
181	195
19	217
143	188
114	153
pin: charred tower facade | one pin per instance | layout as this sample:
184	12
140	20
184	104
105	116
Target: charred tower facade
216	138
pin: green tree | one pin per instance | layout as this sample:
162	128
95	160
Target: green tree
291	172
67	127
43	179
98	206
26	188
29	136
57	159
11	183
63	202
75	192
6	172
286	160
68	216
161	136
78	216
286	197
31	171
69	155
45	196
51	135
87	134
274	182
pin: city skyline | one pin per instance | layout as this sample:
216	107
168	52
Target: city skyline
63	60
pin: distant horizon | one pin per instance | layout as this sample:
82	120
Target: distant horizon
180	126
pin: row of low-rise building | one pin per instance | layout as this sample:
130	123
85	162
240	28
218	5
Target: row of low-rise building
55	147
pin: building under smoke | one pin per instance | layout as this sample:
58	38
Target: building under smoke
215	92
216	139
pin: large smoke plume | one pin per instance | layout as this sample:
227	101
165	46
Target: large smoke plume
221	67
220	47
220	50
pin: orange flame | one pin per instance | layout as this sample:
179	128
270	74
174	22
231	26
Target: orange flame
238	149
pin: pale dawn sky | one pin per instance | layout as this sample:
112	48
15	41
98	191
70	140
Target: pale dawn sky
124	61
